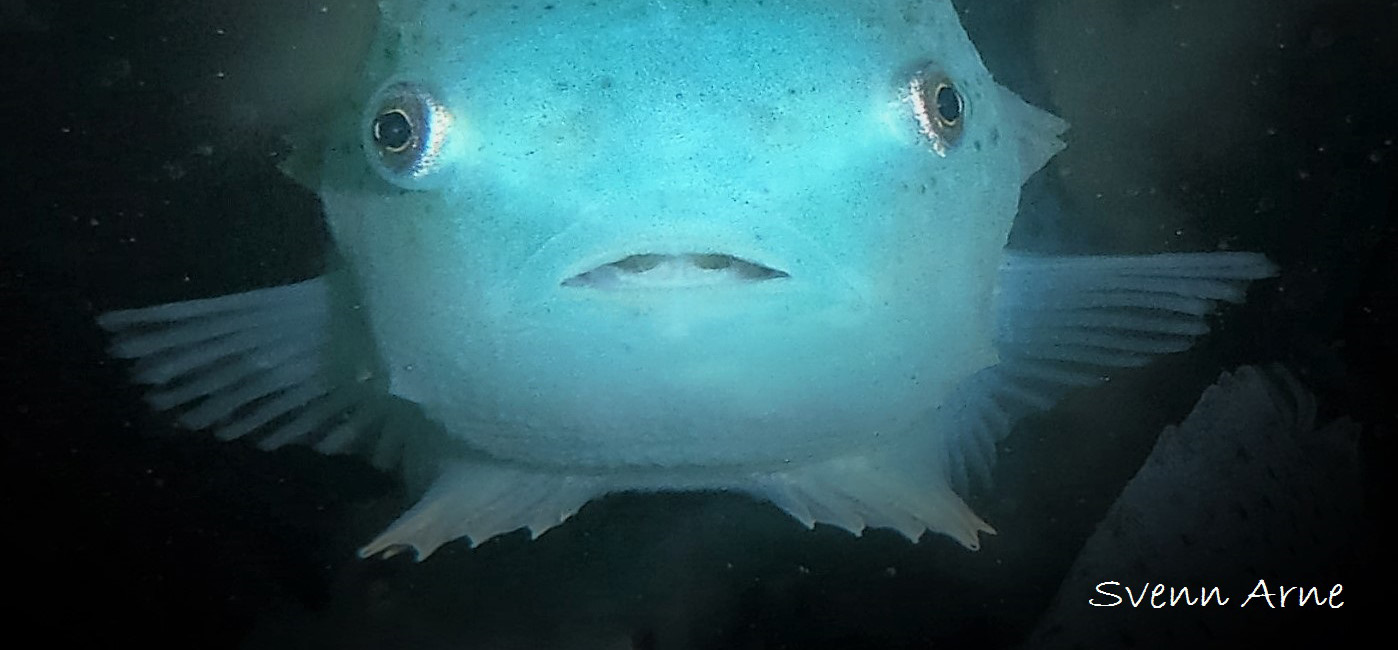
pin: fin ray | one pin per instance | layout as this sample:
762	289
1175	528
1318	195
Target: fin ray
259	364
1069	322
222	404
311	418
478	500
258	300
289	399
162	368
880	491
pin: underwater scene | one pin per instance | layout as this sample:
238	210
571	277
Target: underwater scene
699	324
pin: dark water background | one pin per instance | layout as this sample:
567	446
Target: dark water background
138	167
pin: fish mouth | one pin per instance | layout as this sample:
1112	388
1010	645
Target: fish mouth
658	271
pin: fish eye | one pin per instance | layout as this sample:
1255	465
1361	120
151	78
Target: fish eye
406	130
393	130
948	104
939	107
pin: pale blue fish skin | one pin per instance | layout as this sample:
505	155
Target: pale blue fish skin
657	245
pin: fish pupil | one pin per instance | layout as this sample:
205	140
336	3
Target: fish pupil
393	131
948	104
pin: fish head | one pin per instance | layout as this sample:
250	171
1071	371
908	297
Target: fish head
675	233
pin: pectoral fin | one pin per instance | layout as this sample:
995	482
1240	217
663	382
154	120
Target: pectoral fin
1069	322
283	365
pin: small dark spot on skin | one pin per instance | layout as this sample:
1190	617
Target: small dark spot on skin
994	136
976	145
605	83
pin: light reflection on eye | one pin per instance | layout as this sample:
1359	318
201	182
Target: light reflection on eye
939	108
406	133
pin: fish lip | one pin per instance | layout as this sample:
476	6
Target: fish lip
668	271
587	244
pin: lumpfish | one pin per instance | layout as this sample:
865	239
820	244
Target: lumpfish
586	248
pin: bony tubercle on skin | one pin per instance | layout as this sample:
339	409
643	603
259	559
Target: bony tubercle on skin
1263	595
